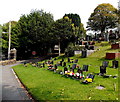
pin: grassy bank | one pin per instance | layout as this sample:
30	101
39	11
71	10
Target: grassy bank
47	85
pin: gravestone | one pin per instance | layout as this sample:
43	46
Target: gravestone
84	53
65	69
87	46
85	67
64	64
115	64
72	70
90	76
91	47
79	70
73	66
55	66
115	46
43	65
105	63
77	52
69	60
102	70
60	63
52	62
62	60
76	61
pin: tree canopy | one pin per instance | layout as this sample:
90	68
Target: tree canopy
103	17
78	28
38	32
33	31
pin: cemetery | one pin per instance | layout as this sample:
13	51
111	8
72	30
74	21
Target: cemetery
79	77
71	58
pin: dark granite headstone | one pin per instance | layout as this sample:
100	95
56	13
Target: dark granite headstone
65	69
102	69
62	60
52	62
90	76
85	67
87	46
76	61
79	70
105	63
115	64
84	53
91	47
60	63
55	66
73	66
72	69
64	64
69	60
43	65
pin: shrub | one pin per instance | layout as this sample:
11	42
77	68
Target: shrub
69	51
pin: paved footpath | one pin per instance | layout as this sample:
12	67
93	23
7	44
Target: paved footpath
11	87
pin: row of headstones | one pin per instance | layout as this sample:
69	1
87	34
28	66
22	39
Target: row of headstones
79	73
85	67
70	73
74	66
115	64
68	69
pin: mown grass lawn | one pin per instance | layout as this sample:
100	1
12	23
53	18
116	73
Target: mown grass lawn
47	85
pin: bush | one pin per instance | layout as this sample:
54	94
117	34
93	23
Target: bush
69	51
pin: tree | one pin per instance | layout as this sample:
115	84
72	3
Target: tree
33	32
77	26
103	17
61	31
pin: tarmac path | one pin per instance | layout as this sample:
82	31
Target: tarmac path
12	89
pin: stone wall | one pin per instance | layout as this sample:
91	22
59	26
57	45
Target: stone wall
7	62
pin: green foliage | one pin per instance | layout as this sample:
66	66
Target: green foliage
33	31
77	26
103	17
61	30
69	51
75	19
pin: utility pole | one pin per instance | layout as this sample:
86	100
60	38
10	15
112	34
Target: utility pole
118	18
9	34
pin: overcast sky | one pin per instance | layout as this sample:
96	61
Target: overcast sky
13	9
